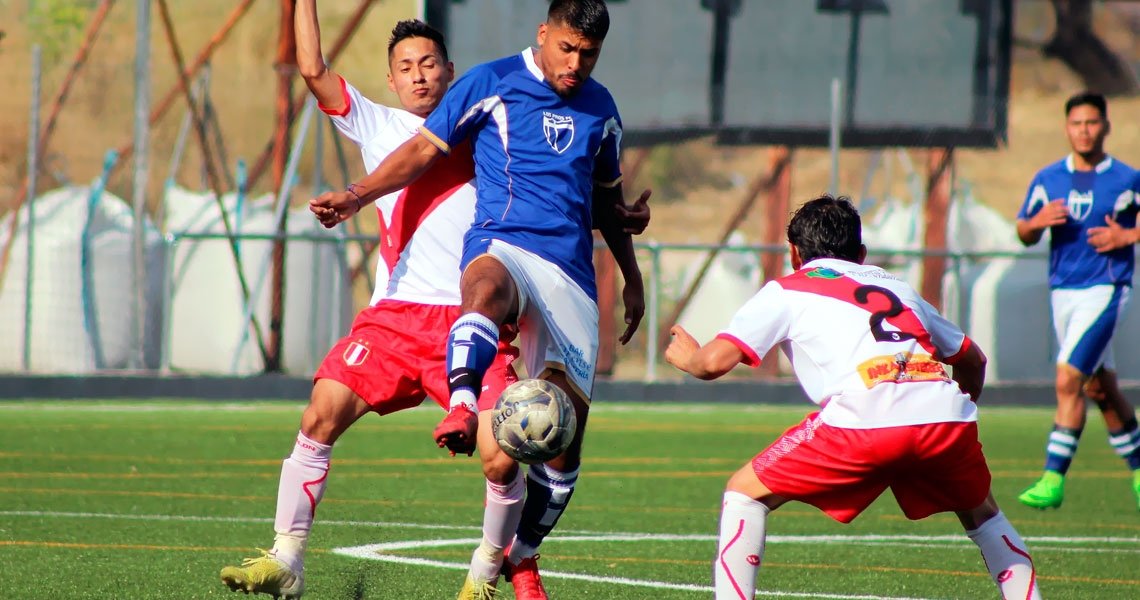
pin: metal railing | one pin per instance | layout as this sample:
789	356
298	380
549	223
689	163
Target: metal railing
650	254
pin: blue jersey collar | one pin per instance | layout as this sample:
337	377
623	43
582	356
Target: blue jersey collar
1104	165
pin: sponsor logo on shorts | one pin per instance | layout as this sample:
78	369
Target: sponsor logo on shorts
355	354
902	367
576	361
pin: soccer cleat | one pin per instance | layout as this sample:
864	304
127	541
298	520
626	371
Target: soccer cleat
1048	492
1136	486
477	589
524	577
265	574
457	431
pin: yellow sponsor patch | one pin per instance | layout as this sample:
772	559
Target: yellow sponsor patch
903	367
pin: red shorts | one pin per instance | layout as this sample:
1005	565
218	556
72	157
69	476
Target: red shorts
396	353
930	468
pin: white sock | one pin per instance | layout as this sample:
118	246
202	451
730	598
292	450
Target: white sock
743	525
500	519
302	484
1007	558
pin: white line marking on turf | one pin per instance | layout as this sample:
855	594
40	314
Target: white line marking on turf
376	552
868	539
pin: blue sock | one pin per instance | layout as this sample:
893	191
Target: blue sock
547	494
1061	448
1126	443
471	348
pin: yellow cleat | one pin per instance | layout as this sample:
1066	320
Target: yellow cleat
477	589
265	574
1136	486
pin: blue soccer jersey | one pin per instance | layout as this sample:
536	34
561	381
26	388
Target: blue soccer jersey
537	157
1109	190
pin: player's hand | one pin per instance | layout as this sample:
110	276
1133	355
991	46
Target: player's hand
332	208
1111	236
1054	213
633	296
634	219
681	348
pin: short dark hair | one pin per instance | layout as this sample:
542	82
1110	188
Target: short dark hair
591	18
827	227
1092	99
411	28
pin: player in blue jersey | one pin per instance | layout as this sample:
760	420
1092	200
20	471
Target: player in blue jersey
546	142
1088	201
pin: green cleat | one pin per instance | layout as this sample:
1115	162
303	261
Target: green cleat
1136	486
480	589
265	574
1048	492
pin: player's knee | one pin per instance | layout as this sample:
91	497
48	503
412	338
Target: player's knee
1069	381
499	468
488	290
332	408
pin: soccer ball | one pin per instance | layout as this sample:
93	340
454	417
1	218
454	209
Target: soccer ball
533	421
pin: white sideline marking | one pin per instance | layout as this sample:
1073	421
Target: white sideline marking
376	552
868	539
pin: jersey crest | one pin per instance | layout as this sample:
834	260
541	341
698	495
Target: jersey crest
559	130
1080	204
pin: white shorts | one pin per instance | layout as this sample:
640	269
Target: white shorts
1085	321
558	322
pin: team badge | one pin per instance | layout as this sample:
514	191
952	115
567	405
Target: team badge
1080	204
355	354
559	131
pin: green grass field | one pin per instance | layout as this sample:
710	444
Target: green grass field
138	500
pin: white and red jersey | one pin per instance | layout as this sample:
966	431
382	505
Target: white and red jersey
864	345
421	226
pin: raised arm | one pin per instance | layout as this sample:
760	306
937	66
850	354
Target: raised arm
322	81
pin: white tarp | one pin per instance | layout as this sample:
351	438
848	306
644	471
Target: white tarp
208	327
82	286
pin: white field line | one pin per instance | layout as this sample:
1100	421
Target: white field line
377	552
577	535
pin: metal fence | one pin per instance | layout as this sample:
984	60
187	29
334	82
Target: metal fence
319	306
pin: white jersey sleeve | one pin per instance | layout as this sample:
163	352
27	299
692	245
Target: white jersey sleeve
759	325
361	119
947	338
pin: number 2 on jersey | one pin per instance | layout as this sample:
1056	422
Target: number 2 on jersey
894	308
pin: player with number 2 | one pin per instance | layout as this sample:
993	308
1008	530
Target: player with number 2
871	353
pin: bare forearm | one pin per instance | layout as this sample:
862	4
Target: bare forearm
712	361
621	246
1028	234
398	170
970	372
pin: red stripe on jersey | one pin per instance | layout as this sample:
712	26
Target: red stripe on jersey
966	343
750	357
344	96
842	288
446	175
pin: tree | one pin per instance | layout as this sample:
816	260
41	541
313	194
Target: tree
1076	44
